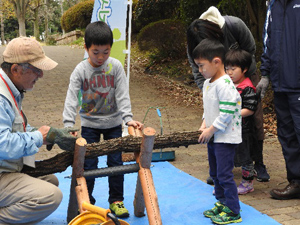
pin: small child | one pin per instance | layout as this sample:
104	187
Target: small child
237	63
221	129
102	82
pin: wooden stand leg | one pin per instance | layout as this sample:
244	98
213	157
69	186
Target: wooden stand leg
138	202
78	189
146	179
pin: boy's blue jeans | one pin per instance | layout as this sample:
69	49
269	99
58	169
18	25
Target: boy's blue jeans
221	163
116	183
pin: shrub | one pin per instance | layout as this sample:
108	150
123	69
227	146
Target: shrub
78	16
166	38
148	11
192	9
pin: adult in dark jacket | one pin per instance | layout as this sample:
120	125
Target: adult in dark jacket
280	64
233	33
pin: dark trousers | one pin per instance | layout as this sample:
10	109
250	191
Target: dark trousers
221	163
116	183
287	107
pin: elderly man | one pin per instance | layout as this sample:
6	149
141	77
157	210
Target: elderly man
24	199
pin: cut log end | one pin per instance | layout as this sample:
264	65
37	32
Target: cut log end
149	131
81	141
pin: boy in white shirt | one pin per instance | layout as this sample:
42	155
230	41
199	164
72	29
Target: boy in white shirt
221	129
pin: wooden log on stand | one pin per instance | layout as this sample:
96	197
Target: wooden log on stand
138	202
78	188
62	161
146	179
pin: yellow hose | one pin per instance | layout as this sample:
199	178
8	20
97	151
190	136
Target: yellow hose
87	218
94	215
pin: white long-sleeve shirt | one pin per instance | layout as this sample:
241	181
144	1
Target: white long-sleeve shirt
222	109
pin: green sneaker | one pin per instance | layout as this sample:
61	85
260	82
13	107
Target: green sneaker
226	217
214	211
119	209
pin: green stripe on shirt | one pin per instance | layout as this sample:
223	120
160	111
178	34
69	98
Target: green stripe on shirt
227	111
227	103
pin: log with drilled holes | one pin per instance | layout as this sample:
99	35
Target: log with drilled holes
62	161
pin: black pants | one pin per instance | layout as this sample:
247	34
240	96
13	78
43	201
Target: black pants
116	183
287	107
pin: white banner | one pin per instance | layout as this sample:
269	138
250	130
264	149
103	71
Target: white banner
114	13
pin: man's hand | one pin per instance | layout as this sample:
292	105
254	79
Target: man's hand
262	86
44	131
62	138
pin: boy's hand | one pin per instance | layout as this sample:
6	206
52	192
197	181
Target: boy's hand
202	128
206	135
135	124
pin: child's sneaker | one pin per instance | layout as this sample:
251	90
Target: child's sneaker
261	172
119	209
246	186
226	217
214	211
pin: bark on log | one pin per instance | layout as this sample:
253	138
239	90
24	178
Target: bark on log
62	161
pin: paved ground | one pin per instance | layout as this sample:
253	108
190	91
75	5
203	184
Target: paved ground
44	105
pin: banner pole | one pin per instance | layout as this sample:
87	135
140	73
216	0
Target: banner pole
129	39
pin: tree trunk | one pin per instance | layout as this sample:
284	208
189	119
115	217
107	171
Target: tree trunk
60	162
20	7
36	30
46	21
2	22
22	28
62	12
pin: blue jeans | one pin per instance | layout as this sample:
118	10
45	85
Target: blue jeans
116	183
221	163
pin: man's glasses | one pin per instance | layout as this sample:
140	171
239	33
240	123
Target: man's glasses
39	72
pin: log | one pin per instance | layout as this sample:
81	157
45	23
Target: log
146	179
78	188
62	161
138	202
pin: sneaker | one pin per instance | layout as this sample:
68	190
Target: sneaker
261	173
119	209
210	181
214	211
246	186
226	217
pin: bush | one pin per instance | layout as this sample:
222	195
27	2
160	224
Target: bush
190	10
78	16
146	12
166	38
50	40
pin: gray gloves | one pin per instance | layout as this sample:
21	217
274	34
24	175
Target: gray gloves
62	138
262	86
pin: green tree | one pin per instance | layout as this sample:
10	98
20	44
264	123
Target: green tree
189	10
6	12
20	7
252	12
35	6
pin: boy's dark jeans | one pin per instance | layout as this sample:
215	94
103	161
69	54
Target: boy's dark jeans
116	188
221	163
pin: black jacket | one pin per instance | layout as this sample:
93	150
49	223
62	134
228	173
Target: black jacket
235	31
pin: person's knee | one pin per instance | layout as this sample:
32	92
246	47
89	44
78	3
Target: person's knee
56	198
51	178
